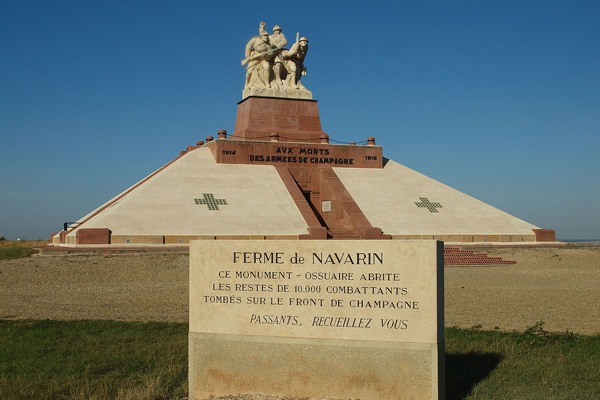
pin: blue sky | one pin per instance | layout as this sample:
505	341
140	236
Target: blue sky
498	99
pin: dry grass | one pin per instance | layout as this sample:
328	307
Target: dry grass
23	243
13	249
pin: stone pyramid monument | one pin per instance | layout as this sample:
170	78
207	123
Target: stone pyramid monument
279	177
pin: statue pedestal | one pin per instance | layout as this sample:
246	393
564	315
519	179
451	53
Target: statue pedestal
284	92
294	120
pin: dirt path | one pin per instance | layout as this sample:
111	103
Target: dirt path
560	286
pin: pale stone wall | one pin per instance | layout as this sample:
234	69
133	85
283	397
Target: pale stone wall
257	203
387	197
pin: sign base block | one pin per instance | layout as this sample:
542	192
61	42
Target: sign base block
295	367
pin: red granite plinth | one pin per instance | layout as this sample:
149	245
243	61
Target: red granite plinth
544	235
294	120
93	236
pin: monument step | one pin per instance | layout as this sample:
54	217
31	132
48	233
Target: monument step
342	235
456	256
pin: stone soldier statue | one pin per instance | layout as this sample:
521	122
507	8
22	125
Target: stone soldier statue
278	40
295	63
271	69
259	60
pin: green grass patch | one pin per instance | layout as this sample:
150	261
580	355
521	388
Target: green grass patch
532	365
128	360
92	360
12	252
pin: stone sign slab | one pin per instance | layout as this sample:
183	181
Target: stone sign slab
233	151
357	319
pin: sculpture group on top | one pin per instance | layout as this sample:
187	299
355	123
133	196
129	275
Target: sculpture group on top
272	69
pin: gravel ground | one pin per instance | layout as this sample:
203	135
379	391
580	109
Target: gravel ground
557	285
127	287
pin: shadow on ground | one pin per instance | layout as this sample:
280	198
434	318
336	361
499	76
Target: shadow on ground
465	371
